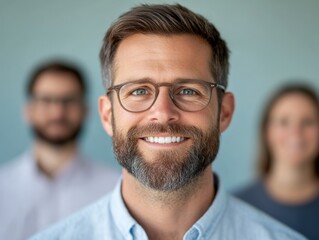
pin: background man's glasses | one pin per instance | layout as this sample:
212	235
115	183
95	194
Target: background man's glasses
48	101
187	95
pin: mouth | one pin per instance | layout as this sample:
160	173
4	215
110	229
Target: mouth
165	140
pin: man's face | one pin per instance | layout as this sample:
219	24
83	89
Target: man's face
187	142
56	109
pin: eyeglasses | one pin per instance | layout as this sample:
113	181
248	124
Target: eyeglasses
66	101
187	95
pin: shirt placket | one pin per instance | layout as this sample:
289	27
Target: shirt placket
138	233
192	234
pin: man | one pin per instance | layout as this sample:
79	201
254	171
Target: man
166	69
52	179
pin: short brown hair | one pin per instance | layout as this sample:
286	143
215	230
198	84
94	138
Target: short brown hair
264	155
164	20
56	66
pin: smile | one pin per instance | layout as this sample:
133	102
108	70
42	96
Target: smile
164	140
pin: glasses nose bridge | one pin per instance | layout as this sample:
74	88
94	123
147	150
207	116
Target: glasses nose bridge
164	84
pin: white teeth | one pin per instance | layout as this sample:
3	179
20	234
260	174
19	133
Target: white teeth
164	140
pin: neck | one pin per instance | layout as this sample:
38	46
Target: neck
292	184
175	211
52	159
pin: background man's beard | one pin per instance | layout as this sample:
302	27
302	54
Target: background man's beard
168	170
41	134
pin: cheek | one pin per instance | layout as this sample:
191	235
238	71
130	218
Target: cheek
77	115
207	118
123	120
37	116
206	122
276	136
311	135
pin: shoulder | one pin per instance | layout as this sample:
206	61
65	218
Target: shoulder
99	170
250	192
12	164
90	221
13	168
14	183
257	225
96	166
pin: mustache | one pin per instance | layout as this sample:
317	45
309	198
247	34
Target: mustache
63	122
173	129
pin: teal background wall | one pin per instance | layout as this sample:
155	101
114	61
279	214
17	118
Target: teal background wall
270	41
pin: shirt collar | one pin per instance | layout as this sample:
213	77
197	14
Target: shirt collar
122	218
205	226
208	223
69	171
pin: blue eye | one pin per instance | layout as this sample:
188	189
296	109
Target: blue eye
139	91
187	92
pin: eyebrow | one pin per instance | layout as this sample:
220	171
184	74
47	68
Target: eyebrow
146	79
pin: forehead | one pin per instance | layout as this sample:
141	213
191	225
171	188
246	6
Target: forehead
296	104
162	58
57	83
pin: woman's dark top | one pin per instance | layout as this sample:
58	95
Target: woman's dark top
304	218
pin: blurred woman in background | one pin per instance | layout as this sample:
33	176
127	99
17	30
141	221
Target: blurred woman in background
288	185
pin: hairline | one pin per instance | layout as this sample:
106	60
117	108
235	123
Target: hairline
49	69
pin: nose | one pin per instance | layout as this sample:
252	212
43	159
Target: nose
164	110
57	109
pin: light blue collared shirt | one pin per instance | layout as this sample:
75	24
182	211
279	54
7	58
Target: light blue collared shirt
226	219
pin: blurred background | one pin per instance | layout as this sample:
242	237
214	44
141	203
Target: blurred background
271	41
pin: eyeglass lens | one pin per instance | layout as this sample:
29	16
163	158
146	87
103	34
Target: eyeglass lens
188	96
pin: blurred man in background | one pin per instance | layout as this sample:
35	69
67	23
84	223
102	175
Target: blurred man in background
52	179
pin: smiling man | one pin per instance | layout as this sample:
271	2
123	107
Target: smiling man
165	69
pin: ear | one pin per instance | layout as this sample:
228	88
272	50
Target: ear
105	111
226	111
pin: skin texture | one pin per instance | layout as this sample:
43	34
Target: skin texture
293	139
55	121
165	59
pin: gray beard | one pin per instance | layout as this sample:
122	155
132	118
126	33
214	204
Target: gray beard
168	170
